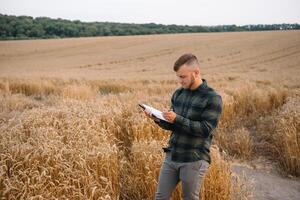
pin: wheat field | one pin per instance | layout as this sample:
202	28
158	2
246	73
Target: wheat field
70	127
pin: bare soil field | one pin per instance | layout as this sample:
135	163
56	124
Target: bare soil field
70	127
248	55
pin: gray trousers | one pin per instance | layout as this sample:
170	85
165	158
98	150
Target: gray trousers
190	174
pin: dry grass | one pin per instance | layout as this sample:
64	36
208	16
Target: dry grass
142	170
220	183
58	153
241	107
10	103
78	143
237	142
280	133
97	147
249	101
78	92
32	87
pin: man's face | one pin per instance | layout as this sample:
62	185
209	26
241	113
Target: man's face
186	76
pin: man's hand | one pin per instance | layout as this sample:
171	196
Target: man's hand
149	114
169	115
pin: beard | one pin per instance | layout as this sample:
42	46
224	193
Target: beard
192	82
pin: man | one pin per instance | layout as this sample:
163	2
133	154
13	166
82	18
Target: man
194	114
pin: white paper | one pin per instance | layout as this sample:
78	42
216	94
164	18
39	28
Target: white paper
155	112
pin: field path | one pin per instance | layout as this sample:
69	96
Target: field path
268	183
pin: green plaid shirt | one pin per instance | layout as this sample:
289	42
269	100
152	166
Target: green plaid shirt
197	114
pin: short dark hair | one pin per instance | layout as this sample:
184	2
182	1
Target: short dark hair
187	58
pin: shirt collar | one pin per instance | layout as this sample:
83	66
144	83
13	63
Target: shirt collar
202	86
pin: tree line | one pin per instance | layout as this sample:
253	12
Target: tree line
26	27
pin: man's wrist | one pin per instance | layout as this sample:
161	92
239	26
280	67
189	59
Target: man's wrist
178	119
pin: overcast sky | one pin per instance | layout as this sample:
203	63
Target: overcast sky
183	12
